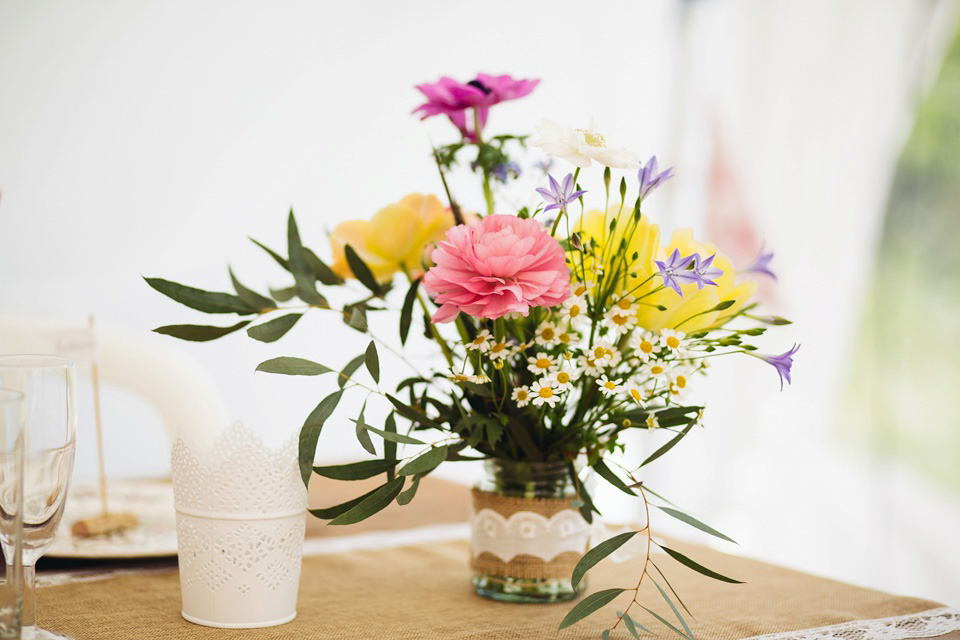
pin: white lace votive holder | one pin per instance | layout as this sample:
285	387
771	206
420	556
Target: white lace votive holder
241	517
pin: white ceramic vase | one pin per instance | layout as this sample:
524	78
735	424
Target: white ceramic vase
241	517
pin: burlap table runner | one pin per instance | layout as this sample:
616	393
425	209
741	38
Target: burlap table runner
423	593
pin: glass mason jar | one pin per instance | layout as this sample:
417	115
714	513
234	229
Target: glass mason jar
526	536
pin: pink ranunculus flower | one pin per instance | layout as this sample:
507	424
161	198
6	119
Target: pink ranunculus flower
452	98
503	264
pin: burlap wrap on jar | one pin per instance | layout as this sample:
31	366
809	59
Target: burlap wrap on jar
535	538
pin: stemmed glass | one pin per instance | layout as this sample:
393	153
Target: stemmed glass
49	387
11	510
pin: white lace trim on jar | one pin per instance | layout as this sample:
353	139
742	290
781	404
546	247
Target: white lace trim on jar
925	624
528	533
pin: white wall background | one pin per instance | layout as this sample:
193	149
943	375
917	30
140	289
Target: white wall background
150	138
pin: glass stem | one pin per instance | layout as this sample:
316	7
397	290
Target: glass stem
29	598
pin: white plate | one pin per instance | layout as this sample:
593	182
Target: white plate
151	500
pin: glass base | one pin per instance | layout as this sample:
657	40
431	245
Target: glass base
525	590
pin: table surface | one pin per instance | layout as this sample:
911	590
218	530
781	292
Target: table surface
403	574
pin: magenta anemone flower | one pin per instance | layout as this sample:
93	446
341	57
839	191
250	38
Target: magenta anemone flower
452	98
781	363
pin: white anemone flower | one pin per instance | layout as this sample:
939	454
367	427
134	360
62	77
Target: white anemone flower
581	147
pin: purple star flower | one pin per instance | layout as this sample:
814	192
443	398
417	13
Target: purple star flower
506	170
704	272
761	264
560	195
674	271
781	363
649	177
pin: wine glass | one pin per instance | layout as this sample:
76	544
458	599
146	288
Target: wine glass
48	384
11	510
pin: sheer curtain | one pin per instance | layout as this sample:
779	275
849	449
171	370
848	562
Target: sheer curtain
793	117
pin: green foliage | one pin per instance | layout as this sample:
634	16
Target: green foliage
693	522
206	301
290	366
273	330
371	503
356	470
588	605
310	433
598	553
682	559
199	333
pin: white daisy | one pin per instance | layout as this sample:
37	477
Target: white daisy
679	384
581	146
574	310
543	392
500	350
564	338
581	289
636	393
563	380
546	334
481	343
644	344
652	422
658	371
542	363
460	377
588	364
521	395
673	341
605	354
609	387
620	321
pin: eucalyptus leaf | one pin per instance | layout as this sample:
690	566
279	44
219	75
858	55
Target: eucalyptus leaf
406	312
349	370
273	254
373	503
676	612
589	605
406	495
412	414
393	436
310	433
372	360
607	474
283	295
290	366
360	270
328	513
273	330
699	568
356	470
206	301
632	626
358	319
662	450
424	462
598	553
250	296
199	332
666	623
362	436
693	522
321	271
389	447
302	274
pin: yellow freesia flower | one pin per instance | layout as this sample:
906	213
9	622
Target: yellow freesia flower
395	239
644	240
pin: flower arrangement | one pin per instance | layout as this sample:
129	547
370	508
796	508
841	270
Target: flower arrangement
562	327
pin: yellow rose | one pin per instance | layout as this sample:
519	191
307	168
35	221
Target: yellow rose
645	242
395	239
